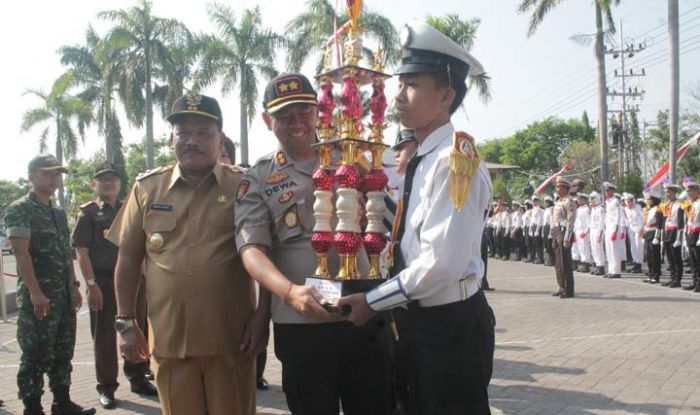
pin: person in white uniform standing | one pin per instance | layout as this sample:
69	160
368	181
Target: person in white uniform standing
635	231
614	232
581	230
596	226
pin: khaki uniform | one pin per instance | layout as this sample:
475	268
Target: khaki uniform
199	296
563	217
323	362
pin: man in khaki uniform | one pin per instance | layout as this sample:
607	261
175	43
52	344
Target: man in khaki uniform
180	220
563	218
324	362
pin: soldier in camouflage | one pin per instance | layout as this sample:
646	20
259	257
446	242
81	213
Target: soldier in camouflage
47	292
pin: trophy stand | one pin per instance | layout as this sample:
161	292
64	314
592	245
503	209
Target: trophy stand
348	185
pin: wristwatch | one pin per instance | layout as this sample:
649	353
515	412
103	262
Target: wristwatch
123	323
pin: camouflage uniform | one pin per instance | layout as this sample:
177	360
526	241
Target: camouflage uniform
47	345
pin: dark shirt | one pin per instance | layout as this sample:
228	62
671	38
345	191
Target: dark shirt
93	223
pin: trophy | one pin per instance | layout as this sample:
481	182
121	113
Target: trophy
340	192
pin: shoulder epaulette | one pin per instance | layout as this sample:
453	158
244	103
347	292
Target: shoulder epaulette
231	167
151	172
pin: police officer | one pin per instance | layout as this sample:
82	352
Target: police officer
437	261
48	295
563	217
614	231
324	361
97	258
597	234
180	220
693	234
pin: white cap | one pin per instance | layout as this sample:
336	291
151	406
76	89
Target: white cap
608	185
425	49
595	196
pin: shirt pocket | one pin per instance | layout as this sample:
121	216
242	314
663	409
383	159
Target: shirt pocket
287	222
223	215
159	231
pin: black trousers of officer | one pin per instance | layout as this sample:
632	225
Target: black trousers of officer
675	259
105	339
537	249
653	255
451	348
562	262
325	363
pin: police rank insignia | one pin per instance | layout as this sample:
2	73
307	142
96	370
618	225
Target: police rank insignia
243	189
156	241
193	101
281	158
222	199
286	197
277	178
464	160
291	219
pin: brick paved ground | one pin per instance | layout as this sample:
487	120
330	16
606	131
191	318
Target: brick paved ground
619	347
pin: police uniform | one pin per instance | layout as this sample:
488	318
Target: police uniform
614	233
547	230
563	217
199	295
451	336
516	232
92	225
536	218
323	363
597	234
635	225
581	231
47	344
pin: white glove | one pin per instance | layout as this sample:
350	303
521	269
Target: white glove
698	242
677	244
656	241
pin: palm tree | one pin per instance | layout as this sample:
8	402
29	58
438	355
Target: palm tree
463	32
144	41
242	50
309	31
96	72
540	8
60	112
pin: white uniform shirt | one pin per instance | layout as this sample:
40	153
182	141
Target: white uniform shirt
597	219
694	221
613	213
441	245
516	220
582	222
635	218
536	217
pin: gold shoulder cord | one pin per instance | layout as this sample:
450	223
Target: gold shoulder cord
464	160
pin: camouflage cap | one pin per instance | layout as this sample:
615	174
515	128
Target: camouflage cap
46	162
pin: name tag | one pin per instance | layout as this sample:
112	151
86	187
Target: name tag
163	207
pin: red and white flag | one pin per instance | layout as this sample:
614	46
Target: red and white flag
544	184
663	171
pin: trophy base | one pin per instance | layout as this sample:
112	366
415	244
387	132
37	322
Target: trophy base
332	290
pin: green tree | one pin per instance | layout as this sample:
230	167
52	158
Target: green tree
136	161
539	9
11	191
242	50
60	113
96	71
463	32
145	43
308	32
585	161
491	151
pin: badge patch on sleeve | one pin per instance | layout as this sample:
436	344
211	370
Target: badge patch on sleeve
243	189
291	219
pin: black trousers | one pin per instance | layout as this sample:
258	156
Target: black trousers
694	255
451	348
562	263
675	259
653	255
325	365
105	338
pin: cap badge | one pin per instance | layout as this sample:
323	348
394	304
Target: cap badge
156	241
193	100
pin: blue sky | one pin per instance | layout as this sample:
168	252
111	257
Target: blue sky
532	78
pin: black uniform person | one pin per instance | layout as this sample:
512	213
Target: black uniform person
97	258
653	224
437	247
673	229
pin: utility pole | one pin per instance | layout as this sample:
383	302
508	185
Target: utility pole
675	96
626	50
